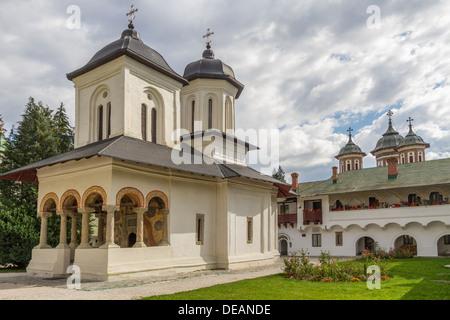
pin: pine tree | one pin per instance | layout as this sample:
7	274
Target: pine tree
64	131
279	175
39	135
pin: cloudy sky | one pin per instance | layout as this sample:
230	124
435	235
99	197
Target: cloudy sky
311	69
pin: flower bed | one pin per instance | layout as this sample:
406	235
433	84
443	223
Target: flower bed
330	269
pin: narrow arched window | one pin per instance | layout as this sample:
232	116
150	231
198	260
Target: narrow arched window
108	126
210	113
144	122
193	116
100	123
154	128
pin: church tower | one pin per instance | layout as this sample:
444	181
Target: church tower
350	156
208	108
412	148
128	89
387	146
209	98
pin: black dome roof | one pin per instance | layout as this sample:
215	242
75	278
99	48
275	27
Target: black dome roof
211	68
129	44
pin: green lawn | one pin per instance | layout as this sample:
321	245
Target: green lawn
412	279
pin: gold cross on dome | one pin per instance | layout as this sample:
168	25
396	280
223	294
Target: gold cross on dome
207	35
131	14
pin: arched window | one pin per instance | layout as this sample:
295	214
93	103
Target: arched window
193	115
100	122
356	164
411	157
108	114
420	156
144	122
402	158
210	113
154	128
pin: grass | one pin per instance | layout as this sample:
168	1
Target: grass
412	279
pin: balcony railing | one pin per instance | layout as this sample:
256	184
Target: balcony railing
314	216
287	218
384	205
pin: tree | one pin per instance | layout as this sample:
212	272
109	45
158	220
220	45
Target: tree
39	135
279	175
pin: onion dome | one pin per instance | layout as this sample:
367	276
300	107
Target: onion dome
350	147
390	139
412	139
131	45
211	68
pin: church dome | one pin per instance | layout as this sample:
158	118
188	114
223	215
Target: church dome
350	148
211	68
412	139
390	139
129	44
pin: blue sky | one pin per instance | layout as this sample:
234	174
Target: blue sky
312	68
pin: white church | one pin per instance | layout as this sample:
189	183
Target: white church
153	212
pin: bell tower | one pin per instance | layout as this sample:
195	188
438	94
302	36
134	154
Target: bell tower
127	88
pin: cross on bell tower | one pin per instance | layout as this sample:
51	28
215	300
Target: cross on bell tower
350	133
132	16
410	120
208	40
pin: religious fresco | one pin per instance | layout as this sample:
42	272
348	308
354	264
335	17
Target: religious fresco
125	223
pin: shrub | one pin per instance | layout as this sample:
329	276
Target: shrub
330	269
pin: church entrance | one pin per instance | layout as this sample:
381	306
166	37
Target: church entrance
364	243
283	247
131	240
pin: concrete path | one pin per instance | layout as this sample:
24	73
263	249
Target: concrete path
20	286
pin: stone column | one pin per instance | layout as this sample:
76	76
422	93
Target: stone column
140	227
73	231
43	237
63	229
165	237
85	214
110	211
101	223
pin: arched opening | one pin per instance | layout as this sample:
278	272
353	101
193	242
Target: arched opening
108	120
407	243
283	247
131	240
443	246
100	122
154	125
193	116
154	222
144	122
436	197
210	113
364	243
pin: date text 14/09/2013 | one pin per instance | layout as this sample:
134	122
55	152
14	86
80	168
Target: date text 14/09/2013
232	309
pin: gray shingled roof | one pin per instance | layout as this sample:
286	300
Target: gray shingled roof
129	44
141	152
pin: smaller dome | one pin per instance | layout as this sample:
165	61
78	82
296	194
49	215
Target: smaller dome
350	148
211	68
412	139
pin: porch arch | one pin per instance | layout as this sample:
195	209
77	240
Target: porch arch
69	198
157	194
92	194
49	203
134	194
